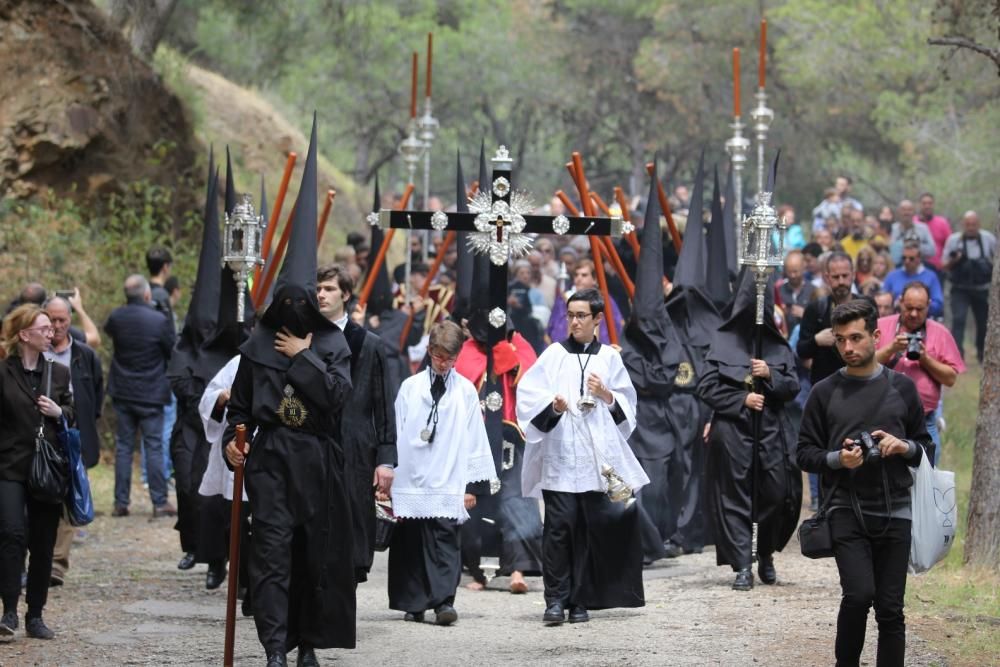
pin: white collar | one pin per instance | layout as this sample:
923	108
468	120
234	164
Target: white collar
342	322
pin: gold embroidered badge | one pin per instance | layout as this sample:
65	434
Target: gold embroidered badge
291	411
685	374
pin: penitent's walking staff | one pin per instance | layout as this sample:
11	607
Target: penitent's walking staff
234	547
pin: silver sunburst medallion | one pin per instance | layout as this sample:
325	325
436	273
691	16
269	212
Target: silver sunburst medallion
372	218
439	221
501	187
500	226
494	401
560	224
498	318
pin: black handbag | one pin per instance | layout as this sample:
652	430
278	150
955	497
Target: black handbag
385	521
815	538
48	478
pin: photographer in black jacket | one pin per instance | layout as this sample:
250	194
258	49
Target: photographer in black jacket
870	502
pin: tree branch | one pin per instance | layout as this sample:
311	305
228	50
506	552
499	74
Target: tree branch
963	43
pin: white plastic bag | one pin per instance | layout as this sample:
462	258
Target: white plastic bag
934	515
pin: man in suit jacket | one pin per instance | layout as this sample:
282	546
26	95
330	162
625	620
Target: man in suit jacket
368	429
87	387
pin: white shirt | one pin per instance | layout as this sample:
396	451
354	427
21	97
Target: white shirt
218	479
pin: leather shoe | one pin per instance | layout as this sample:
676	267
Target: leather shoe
277	659
119	510
554	614
445	615
187	562
414	616
215	576
307	657
672	549
166	509
56	578
36	628
578	614
8	624
765	569
744	580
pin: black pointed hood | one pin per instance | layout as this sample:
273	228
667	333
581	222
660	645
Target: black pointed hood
690	271
651	348
380	298
479	300
463	264
295	306
717	269
230	187
484	172
733	343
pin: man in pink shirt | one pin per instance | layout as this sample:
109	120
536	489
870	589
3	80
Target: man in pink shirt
938	224
921	349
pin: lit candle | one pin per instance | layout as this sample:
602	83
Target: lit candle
430	51
762	65
736	82
413	88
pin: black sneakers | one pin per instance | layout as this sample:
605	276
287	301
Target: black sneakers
36	628
445	615
8	624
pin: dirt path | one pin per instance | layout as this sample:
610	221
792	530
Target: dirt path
125	603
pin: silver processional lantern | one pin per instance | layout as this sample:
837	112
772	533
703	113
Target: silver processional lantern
241	246
762	245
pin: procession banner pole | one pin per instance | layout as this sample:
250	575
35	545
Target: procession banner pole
376	266
272	224
616	260
330	196
665	205
272	266
234	549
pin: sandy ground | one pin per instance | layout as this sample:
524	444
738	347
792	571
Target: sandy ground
125	603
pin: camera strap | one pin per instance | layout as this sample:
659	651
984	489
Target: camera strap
856	506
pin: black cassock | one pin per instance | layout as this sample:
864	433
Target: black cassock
368	434
724	387
301	555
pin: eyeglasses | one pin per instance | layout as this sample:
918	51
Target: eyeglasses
578	316
45	331
441	358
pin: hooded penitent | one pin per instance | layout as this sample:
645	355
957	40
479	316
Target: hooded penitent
294	306
463	264
380	298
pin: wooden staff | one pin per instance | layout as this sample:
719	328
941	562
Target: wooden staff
330	195
376	266
665	205
623	204
609	247
595	247
272	267
234	549
272	224
426	289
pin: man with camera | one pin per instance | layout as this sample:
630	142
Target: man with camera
861	427
969	262
921	349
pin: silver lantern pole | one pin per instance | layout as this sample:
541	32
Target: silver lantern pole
428	130
241	248
762	250
761	116
737	147
411	148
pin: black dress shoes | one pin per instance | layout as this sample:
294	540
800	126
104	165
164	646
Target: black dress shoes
672	549
36	628
307	657
215	576
277	659
445	615
765	568
554	614
414	616
578	614
187	562
744	580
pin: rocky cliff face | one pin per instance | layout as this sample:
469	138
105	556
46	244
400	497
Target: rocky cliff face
79	113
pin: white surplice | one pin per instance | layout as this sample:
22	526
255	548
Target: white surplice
218	479
570	457
430	478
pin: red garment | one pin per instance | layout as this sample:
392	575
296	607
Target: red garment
511	359
940	231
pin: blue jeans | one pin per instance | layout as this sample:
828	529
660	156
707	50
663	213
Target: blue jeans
169	417
147	419
932	430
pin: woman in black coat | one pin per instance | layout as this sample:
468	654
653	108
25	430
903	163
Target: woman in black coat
24	403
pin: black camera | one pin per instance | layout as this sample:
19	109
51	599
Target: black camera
869	447
913	341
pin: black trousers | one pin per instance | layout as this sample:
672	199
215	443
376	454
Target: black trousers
872	571
28	524
562	536
962	299
425	564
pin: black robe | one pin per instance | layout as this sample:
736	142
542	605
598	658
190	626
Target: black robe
724	386
301	555
368	434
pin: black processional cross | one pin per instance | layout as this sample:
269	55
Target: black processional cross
500	226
